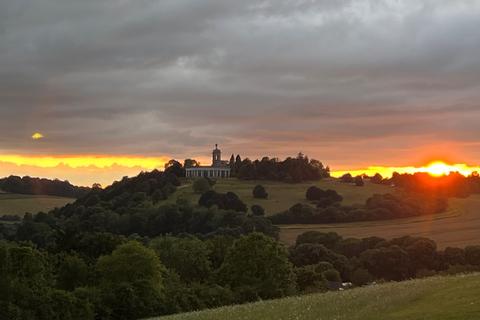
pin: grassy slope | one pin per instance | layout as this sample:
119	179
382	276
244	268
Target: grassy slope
458	227
438	298
19	203
284	195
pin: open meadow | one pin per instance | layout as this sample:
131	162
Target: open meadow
282	195
18	204
437	298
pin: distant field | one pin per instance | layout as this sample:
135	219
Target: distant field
438	298
19	203
284	195
458	227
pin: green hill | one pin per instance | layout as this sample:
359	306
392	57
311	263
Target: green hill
284	195
437	298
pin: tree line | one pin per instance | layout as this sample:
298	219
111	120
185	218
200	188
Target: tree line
292	169
41	186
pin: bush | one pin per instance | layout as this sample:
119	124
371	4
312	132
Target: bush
259	192
201	185
332	275
257	210
361	277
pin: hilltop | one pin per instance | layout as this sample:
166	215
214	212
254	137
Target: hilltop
436	298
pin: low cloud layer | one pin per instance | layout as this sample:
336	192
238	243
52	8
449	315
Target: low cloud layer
349	82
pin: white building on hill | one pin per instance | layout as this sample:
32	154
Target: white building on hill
218	169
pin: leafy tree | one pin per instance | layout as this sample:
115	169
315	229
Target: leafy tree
174	167
72	273
190	163
225	201
359	181
347	178
189	257
308	279
377	178
131	281
260	264
259	192
332	275
201	185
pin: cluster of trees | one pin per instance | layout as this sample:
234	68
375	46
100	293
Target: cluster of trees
377	207
348	178
361	261
131	207
292	170
38	186
451	185
323	198
224	201
119	254
101	275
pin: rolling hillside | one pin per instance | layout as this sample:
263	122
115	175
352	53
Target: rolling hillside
284	195
437	298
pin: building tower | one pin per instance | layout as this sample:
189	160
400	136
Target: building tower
217	157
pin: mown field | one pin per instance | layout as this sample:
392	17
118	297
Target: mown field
284	195
458	227
18	204
437	298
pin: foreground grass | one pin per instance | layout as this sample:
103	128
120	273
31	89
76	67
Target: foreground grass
18	204
284	195
437	298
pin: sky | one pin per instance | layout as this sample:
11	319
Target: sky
353	83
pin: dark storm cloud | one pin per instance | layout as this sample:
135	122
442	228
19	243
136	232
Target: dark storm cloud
156	77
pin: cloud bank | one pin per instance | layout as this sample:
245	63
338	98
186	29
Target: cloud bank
350	82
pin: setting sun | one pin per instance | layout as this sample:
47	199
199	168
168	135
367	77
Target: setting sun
439	168
435	168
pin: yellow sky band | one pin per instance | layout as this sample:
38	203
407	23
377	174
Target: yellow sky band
85	161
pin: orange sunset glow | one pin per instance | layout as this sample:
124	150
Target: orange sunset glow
435	168
88	169
79	169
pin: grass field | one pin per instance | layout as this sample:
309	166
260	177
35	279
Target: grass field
437	298
458	227
19	203
284	195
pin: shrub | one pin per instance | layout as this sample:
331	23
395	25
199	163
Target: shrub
361	277
259	192
257	210
201	185
332	275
